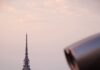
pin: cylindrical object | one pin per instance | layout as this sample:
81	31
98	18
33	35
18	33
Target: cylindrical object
85	54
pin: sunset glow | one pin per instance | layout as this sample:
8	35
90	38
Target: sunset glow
51	25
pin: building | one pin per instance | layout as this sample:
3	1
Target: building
26	65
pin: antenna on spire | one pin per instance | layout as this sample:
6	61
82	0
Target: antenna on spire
26	45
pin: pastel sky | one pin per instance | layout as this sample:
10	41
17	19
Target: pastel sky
51	26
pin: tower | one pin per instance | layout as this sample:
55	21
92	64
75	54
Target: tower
26	65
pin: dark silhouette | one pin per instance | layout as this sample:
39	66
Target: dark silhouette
26	60
85	54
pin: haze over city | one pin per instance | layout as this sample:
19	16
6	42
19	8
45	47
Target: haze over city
51	25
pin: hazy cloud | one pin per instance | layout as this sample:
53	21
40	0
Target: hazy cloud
91	5
50	25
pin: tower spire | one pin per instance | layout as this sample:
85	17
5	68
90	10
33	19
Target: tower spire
26	47
26	60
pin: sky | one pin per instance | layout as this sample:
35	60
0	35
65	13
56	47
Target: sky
51	26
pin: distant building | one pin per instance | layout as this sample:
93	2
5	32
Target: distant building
26	65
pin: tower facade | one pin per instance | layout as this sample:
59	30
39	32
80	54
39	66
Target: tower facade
26	65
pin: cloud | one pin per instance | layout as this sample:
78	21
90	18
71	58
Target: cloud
3	2
90	5
7	7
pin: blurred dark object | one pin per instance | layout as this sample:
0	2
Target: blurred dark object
85	54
